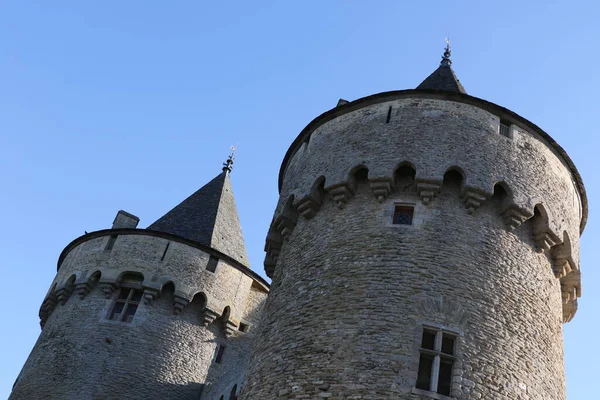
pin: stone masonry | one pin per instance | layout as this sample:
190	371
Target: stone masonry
425	245
492	256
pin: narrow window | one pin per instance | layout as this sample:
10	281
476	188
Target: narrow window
212	264
505	129
243	327
389	115
233	393
403	215
111	242
165	252
220	352
126	304
436	361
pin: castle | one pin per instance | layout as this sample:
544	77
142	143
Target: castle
425	246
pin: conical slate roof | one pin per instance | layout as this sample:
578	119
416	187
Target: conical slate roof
209	216
444	77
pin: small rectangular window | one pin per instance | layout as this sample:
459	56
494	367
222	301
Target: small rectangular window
220	352
436	361
243	327
126	305
212	264
505	129
403	215
111	242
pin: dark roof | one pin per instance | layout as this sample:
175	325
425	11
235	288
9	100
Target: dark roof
209	216
443	78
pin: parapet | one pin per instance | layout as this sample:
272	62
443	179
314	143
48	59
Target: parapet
102	258
421	139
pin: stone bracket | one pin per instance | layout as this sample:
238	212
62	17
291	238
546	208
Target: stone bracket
179	303
570	286
514	216
284	225
428	191
82	289
209	316
544	240
108	288
381	188
269	264
230	327
473	198
340	193
48	305
150	294
308	207
63	294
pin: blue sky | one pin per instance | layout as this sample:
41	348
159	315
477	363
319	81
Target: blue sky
133	105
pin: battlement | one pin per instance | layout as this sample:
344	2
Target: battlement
392	109
409	146
99	261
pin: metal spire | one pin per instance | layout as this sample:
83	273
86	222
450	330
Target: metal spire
228	165
446	61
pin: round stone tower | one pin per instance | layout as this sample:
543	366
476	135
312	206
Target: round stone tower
425	245
166	312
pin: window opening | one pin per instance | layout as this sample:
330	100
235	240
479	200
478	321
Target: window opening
389	115
504	129
403	215
165	252
436	361
126	304
243	327
212	264
220	352
111	242
233	393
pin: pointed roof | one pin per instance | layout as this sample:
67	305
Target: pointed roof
444	77
209	216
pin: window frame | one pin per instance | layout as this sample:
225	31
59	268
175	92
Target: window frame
438	356
219	353
127	302
212	264
403	207
504	129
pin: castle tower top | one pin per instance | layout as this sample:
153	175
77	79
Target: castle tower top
209	216
444	77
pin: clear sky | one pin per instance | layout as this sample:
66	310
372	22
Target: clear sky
133	105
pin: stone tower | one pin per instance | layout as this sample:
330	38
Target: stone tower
166	312
425	245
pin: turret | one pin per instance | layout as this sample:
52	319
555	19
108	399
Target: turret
163	312
425	245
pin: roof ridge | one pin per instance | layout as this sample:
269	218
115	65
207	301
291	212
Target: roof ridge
208	216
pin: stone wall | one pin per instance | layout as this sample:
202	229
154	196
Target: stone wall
351	292
168	350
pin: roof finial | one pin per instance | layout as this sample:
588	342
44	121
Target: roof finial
228	165
446	57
